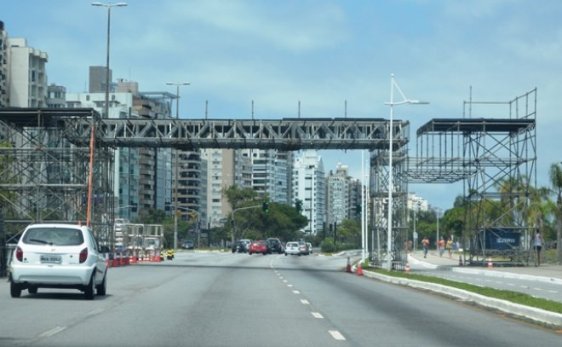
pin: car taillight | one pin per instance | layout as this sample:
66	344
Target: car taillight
83	255
19	254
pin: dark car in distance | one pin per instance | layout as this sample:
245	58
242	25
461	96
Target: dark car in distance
241	246
275	245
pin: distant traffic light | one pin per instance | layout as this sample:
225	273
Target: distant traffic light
265	207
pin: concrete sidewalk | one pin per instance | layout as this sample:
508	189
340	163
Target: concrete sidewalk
545	273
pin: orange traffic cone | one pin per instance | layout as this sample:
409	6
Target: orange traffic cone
359	270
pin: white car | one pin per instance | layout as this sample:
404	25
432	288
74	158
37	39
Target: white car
58	256
292	248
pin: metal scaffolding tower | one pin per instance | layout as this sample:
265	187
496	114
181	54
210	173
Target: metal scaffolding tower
496	160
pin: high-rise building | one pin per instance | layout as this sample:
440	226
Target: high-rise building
337	195
3	66
27	77
309	186
142	176
271	173
355	204
97	79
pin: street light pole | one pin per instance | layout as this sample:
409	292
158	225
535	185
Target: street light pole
392	103
108	6
177	84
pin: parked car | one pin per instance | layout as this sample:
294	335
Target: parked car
275	245
187	245
259	246
241	246
292	248
58	256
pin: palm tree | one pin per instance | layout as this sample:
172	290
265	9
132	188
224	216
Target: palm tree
556	181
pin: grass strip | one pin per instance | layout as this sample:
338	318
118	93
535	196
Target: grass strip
515	297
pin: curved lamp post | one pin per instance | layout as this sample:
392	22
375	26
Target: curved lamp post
392	103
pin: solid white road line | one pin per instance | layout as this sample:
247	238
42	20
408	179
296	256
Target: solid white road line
52	332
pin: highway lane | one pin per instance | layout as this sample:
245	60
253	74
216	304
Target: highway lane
223	299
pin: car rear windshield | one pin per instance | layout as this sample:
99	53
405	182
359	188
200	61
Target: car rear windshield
54	236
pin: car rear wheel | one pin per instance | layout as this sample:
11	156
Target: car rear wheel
15	290
89	290
102	288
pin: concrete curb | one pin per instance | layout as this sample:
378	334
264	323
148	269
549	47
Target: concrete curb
537	315
502	274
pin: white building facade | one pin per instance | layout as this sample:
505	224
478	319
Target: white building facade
27	76
309	186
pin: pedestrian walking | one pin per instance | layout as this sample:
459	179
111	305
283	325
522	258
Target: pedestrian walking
449	247
425	245
537	245
441	246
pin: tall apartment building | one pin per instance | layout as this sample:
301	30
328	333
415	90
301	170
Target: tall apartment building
142	176
97	79
225	168
3	66
309	186
271	173
337	195
355	203
27	77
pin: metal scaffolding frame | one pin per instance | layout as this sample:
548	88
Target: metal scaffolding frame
483	153
379	185
44	176
49	155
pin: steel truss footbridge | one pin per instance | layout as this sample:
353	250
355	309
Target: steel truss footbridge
45	155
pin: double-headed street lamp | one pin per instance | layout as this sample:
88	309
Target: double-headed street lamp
177	84
392	103
108	6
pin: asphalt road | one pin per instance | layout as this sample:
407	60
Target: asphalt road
214	299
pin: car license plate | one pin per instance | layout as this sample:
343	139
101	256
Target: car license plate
50	259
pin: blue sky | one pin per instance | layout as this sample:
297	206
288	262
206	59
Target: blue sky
319	52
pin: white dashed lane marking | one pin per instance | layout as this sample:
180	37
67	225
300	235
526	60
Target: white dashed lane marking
305	302
336	335
317	315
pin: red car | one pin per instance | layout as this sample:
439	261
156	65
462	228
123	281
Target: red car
259	246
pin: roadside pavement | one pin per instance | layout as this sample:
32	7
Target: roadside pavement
549	273
545	273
